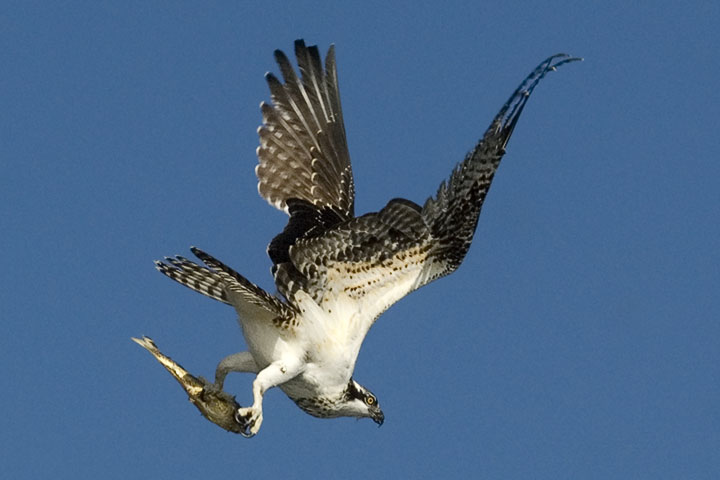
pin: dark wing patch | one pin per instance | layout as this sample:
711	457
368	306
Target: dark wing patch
303	150
305	220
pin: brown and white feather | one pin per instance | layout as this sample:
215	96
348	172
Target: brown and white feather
303	150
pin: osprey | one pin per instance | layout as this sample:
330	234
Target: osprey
336	273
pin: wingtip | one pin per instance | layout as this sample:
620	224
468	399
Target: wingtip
562	59
330	56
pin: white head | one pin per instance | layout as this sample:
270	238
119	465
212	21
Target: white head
354	401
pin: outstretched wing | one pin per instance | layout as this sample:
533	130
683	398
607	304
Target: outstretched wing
303	151
359	268
453	214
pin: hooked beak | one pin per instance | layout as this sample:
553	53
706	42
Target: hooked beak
377	416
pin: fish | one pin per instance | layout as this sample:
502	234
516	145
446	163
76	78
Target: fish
215	404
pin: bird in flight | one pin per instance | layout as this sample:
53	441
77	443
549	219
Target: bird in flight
335	272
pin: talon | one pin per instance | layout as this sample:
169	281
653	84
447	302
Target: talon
249	420
245	424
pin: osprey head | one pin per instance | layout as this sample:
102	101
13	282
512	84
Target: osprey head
353	401
360	402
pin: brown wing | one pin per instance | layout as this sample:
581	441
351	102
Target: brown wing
453	214
361	267
303	151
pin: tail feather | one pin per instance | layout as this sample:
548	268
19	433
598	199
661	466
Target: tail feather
200	279
228	274
220	282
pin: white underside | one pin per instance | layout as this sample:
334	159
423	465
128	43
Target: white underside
326	340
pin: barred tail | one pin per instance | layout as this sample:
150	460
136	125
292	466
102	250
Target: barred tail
198	278
222	283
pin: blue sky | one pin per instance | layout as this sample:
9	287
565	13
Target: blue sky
578	340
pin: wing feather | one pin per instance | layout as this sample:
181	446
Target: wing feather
303	149
363	265
371	261
453	214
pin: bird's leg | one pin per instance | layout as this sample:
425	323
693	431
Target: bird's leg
274	374
237	362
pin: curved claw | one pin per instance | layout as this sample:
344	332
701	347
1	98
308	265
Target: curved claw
246	432
249	421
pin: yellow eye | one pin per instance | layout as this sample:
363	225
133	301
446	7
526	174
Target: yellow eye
370	400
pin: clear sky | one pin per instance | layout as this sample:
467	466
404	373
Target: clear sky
580	338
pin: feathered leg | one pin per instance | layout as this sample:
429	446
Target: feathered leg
275	374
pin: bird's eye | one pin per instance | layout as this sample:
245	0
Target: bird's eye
370	400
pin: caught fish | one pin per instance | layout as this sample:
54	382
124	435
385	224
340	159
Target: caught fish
215	404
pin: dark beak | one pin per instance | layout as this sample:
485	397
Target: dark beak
377	416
